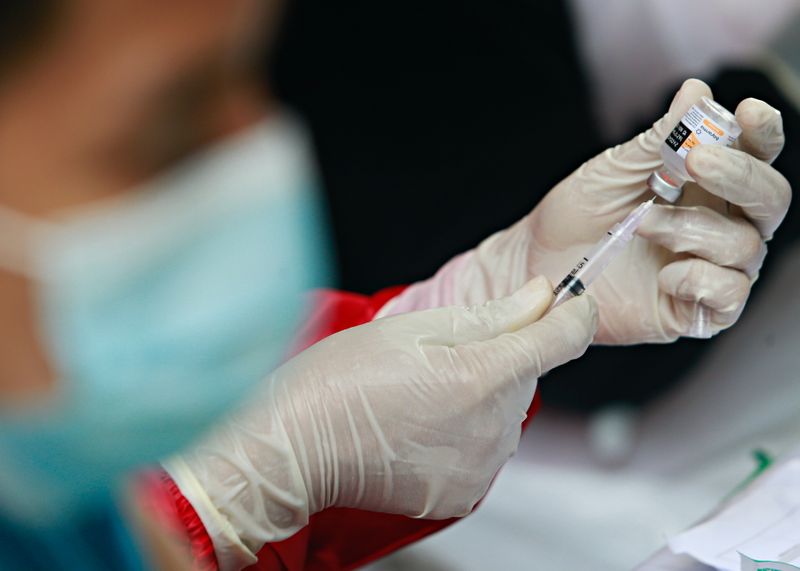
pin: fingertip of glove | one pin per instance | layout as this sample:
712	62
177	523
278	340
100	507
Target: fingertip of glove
690	92
693	83
754	113
567	331
535	296
519	309
584	308
537	286
593	311
704	159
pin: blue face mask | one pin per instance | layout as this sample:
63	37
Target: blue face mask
160	311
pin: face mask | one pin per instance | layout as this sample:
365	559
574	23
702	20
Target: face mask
159	311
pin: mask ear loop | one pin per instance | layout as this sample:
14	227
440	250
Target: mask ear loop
17	235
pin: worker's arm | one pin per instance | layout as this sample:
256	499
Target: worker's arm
411	415
333	311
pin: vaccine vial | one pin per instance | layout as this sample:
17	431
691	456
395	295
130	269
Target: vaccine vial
706	123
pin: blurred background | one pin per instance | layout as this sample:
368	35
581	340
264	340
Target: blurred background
439	122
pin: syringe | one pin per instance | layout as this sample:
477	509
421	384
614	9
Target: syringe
603	253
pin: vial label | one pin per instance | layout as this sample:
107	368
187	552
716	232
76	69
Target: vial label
696	128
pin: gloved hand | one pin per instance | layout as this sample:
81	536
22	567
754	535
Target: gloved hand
412	414
706	249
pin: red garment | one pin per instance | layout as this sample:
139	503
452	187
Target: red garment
337	538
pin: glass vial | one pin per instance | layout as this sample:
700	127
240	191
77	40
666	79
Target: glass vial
706	123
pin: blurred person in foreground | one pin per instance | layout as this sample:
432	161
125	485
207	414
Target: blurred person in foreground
159	223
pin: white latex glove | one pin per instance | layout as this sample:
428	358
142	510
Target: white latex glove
708	248
412	414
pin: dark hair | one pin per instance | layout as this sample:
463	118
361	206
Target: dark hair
24	25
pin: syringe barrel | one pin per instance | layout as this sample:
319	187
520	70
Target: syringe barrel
590	266
600	257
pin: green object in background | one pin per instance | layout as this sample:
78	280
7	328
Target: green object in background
763	461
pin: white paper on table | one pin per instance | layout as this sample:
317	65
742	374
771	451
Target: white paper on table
763	524
753	565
